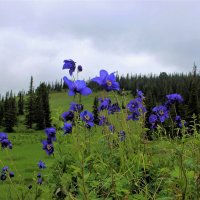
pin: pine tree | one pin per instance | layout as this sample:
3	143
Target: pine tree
30	106
10	113
43	114
21	103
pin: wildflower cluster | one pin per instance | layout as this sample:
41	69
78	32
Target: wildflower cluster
6	172
48	143
161	113
5	142
41	166
136	107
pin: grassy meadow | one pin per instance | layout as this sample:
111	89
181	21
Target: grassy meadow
92	164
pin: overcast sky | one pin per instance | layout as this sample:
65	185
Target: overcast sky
120	35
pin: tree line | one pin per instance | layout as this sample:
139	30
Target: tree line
34	106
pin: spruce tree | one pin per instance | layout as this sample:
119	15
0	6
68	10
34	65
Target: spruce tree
10	112
30	106
43	114
21	103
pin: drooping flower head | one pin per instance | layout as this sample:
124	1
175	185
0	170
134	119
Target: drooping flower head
11	174
41	165
174	98
140	94
122	136
153	119
104	104
87	117
107	81
112	128
161	112
71	65
77	87
103	121
68	116
51	133
3	176
48	146
5	168
113	108
67	128
134	116
39	181
75	107
178	121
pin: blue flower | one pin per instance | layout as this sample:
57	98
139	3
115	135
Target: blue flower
80	68
68	116
51	133
104	104
39	182
5	142
178	121
5	168
134	116
103	121
174	98
75	107
69	64
87	117
140	94
153	119
41	165
67	128
122	136
11	174
39	175
77	87
134	105
48	146
106	81
161	112
113	108
112	128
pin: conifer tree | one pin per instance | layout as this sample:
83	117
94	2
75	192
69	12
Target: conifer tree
30	106
21	103
43	114
10	112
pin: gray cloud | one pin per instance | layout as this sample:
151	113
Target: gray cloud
124	36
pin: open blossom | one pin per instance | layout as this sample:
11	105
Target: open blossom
77	87
174	98
41	165
48	146
71	65
161	112
87	117
107	81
